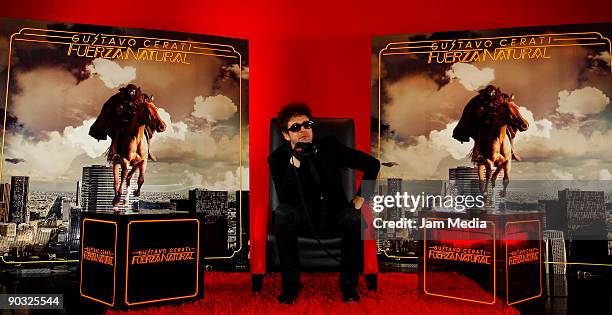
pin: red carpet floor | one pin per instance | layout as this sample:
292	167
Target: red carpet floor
230	293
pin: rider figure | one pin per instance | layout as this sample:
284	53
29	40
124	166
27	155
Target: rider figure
117	112
484	106
132	97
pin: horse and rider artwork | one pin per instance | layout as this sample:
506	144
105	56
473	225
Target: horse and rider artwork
492	120
493	113
130	119
103	118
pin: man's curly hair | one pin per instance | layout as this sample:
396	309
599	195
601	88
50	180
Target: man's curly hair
290	110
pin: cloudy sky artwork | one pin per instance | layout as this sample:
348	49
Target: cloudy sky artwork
566	100
53	99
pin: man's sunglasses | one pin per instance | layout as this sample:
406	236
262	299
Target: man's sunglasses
297	127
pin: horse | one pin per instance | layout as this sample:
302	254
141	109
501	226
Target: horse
130	147
493	145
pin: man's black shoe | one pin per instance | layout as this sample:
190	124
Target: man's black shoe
289	294
350	295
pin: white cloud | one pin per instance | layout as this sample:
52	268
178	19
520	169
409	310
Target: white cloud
174	130
418	105
421	159
49	159
229	182
456	149
214	108
604	174
49	99
581	102
180	144
470	76
562	175
567	142
197	145
111	73
79	137
537	128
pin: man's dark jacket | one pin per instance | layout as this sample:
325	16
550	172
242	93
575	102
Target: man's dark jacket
329	160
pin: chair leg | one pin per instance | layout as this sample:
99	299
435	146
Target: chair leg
256	282
372	281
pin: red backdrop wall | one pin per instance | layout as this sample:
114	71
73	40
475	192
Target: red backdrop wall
314	51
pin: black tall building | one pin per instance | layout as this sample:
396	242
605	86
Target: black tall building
583	215
242	261
5	197
554	217
585	210
210	202
394	186
18	206
78	195
242	203
214	205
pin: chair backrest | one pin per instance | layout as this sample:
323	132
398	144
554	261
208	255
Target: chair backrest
341	128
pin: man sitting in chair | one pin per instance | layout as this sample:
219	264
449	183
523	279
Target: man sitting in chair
307	178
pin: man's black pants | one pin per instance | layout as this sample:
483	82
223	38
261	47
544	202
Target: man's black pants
291	221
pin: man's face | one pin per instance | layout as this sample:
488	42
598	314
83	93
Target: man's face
302	135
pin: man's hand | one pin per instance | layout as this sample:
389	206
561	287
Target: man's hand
294	161
358	202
